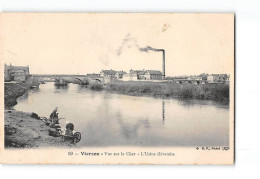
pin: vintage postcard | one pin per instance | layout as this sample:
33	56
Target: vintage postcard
117	88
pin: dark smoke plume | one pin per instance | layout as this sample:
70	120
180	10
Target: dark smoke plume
126	43
146	49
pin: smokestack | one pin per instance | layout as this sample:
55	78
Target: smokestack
163	65
146	49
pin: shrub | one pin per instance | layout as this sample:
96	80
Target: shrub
183	90
96	86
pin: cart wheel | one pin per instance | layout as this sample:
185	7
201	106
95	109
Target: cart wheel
77	136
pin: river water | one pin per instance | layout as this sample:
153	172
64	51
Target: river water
111	119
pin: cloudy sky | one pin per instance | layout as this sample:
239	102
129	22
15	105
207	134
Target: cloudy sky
77	43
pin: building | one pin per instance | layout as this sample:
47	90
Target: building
19	75
120	74
228	79
133	75
138	74
16	73
152	75
204	76
195	77
7	72
108	73
217	78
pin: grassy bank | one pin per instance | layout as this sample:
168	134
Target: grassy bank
13	91
186	91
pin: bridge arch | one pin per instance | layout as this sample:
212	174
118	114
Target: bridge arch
83	81
79	79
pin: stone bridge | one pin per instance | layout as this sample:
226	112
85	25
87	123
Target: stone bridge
70	78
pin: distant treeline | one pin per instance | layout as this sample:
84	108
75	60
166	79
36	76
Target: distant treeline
184	90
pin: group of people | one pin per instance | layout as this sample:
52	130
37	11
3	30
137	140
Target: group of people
54	120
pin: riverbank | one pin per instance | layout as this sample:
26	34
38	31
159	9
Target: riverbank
23	131
12	91
20	129
174	90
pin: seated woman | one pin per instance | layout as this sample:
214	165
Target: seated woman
54	117
69	129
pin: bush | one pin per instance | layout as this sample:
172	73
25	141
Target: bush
96	86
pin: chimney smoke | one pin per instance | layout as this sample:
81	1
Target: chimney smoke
146	49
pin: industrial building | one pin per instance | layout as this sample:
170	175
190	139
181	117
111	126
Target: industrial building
152	75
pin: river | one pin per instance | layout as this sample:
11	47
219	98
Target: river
111	119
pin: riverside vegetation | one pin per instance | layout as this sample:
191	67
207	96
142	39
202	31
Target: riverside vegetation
12	91
184	90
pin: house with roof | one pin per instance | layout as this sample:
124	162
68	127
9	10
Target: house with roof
108	73
137	73
120	74
19	75
133	75
152	75
16	73
217	78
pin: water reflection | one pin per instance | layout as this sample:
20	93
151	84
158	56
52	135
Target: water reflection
163	110
110	119
191	103
66	87
131	131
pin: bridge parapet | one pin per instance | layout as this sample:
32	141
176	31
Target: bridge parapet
57	75
71	78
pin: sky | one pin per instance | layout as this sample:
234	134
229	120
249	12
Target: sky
81	43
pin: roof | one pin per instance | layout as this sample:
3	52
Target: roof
109	72
19	71
121	72
225	75
16	67
20	67
154	72
139	72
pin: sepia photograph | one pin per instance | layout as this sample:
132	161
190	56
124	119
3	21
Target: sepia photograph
136	84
